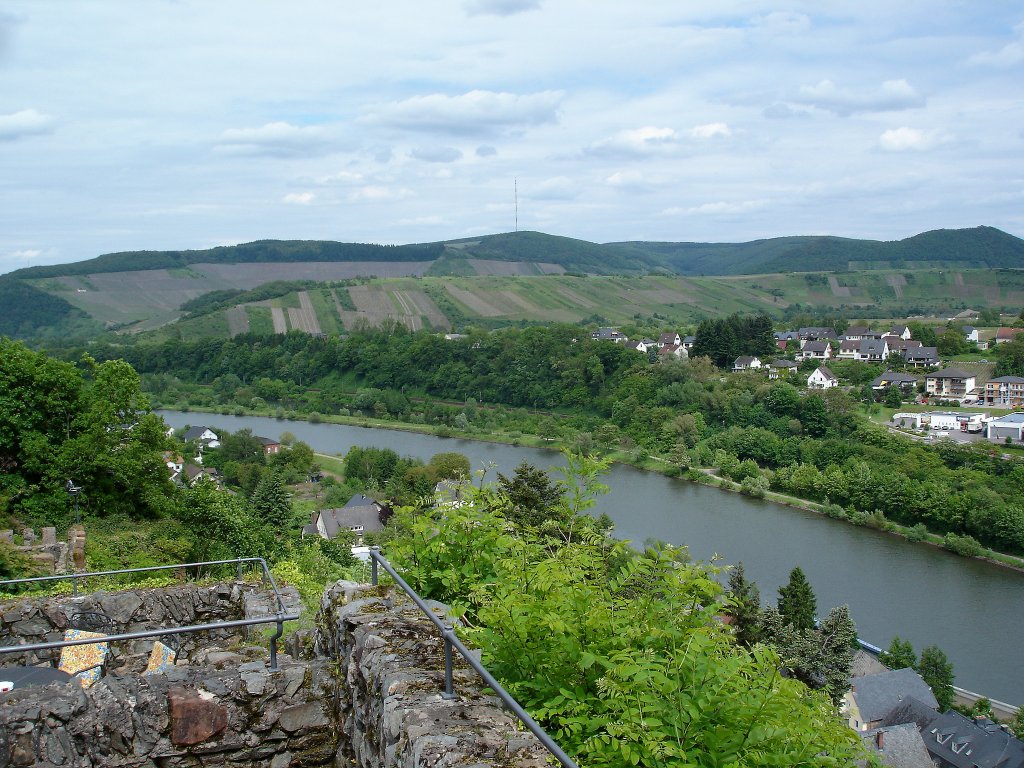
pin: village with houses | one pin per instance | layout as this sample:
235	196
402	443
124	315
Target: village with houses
916	372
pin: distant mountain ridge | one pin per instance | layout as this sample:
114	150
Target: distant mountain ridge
978	247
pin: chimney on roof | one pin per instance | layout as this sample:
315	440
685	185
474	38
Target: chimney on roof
880	740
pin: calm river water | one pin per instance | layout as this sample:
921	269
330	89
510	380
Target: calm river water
972	610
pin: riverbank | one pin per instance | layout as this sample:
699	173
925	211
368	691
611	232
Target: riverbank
645	463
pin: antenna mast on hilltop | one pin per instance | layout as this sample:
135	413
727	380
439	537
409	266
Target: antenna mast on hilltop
515	189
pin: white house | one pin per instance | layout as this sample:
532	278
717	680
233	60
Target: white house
639	346
203	435
900	330
669	339
822	378
949	382
970	334
781	368
872	350
814	350
745	363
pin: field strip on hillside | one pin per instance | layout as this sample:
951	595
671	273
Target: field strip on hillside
425	306
575	298
494	267
481	306
520	301
840	291
280	324
238	320
897	283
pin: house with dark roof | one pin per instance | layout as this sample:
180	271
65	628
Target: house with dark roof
781	368
872	350
609	334
860	332
746	363
203	435
677	351
898	746
848	349
822	378
669	339
970	334
360	515
955	741
270	447
922	357
872	697
814	350
688	342
900	330
949	382
816	333
898	346
904	381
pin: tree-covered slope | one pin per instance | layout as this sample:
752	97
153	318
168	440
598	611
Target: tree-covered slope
29	312
977	247
572	254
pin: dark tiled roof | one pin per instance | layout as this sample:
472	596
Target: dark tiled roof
359	511
951	373
815	346
877	695
827	373
894	377
194	433
899	746
957	741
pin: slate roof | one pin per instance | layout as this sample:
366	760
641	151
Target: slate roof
743	360
951	373
877	695
194	433
1008	380
922	353
783	364
267	440
359	511
668	338
816	332
865	663
859	330
956	741
894	377
910	710
873	347
826	373
898	746
815	346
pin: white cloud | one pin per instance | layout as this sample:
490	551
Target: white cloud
299	198
27	122
486	150
341	177
278	139
436	154
555	188
499	7
625	179
635	142
475	112
378	193
720	208
782	22
1009	55
892	95
904	138
710	130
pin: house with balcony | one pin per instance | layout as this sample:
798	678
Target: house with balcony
922	357
904	381
952	383
780	369
872	350
814	350
1005	392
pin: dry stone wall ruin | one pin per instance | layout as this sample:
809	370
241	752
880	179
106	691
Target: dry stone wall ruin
361	689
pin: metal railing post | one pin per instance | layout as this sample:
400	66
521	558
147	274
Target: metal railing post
374	551
238	571
273	645
449	687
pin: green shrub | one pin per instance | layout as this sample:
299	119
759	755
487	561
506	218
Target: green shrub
918	533
965	546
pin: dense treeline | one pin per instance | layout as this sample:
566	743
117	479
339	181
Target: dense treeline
260	251
725	339
216	300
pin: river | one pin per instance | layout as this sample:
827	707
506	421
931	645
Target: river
972	610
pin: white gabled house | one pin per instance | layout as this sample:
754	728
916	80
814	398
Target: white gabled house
814	350
203	435
746	363
822	378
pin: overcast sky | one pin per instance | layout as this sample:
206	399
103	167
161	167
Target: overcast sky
155	124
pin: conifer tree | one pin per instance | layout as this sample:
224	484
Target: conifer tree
746	611
797	603
272	503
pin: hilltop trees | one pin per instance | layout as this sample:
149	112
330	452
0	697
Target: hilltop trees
723	340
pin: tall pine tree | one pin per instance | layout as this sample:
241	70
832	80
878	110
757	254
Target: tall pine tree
797	603
746	610
937	670
272	503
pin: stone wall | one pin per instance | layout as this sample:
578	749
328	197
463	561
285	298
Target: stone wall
38	620
49	555
392	674
366	693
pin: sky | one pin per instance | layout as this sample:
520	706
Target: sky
177	124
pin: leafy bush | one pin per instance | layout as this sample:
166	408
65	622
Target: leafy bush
965	546
918	533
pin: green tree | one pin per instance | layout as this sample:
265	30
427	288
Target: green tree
272	504
893	397
1011	357
899	655
746	606
951	342
937	670
532	495
1017	723
448	466
797	603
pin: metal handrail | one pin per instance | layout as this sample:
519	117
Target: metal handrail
451	640
277	618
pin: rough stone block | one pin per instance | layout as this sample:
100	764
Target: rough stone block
49	537
194	718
